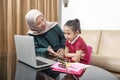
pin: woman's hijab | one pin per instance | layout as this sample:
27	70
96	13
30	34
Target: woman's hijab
31	17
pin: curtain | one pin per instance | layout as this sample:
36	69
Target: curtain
12	22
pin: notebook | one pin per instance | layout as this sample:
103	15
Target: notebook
72	68
25	50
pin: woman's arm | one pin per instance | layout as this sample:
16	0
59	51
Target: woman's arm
41	45
41	51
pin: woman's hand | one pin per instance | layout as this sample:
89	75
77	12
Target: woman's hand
61	52
51	51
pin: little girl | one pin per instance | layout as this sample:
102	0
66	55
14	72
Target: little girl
76	48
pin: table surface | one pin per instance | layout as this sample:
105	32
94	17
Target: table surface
25	72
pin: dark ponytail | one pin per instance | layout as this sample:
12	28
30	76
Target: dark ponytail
74	25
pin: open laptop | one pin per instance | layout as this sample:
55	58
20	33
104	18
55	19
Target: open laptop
25	50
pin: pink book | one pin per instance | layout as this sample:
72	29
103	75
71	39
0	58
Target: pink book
73	68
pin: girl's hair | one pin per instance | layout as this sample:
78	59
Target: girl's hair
74	25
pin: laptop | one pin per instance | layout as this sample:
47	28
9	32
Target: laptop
25	50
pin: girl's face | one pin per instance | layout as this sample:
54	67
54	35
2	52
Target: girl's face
40	23
69	34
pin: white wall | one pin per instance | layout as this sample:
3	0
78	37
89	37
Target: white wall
93	14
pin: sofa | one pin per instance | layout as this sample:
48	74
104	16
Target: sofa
106	49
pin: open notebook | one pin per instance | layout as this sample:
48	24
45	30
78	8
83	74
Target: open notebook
25	50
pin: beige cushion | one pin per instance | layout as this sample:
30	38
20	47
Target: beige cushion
109	63
91	37
110	44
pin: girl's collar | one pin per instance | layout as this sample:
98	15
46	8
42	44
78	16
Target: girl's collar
72	42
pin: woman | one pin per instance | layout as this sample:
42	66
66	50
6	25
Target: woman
48	36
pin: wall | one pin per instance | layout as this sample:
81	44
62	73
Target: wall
93	14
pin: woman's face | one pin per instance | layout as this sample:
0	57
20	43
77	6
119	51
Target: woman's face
40	23
69	34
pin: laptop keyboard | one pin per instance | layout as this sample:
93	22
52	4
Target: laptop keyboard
40	62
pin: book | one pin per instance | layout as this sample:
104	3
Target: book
71	68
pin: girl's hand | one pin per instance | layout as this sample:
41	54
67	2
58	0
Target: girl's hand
79	55
82	55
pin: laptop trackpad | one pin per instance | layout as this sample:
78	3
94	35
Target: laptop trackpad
40	62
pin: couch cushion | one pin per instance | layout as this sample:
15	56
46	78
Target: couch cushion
91	37
110	43
109	63
90	53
